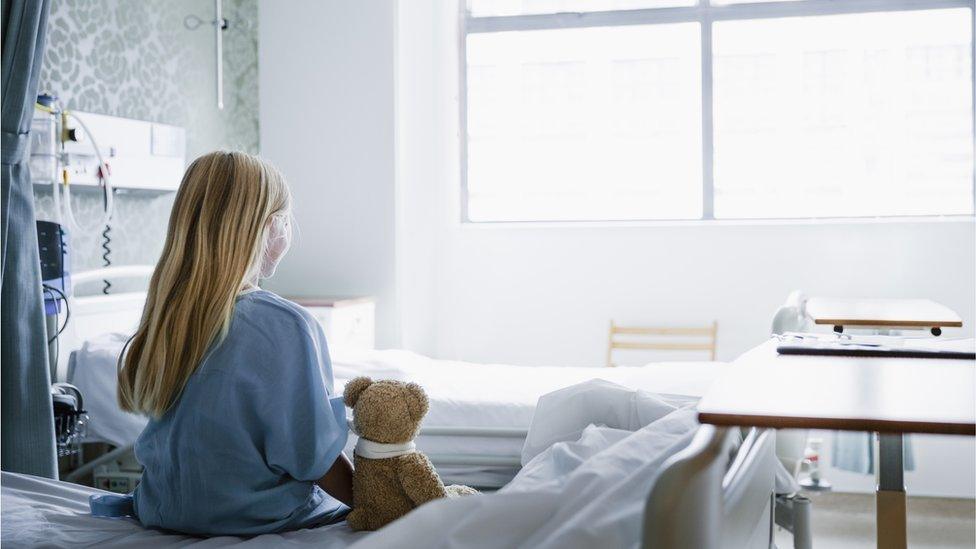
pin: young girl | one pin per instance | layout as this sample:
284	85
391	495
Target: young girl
236	380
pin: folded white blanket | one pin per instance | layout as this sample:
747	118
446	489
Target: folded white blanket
591	456
563	415
585	492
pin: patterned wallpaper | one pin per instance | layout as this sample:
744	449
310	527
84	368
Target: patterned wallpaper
136	59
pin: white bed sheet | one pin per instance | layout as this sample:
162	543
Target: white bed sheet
462	394
476	394
465	394
38	512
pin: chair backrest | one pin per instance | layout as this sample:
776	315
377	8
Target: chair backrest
662	339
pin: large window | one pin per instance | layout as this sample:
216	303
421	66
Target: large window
670	109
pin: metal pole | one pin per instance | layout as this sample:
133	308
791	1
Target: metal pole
219	46
891	471
802	527
892	520
52	347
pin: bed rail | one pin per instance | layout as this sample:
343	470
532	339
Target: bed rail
702	500
118	271
476	460
493	432
747	490
513	461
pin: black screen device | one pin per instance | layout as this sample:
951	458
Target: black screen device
52	249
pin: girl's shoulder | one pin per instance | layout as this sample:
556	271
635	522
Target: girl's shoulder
274	310
266	330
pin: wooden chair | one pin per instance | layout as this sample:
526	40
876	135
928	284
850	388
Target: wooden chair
702	339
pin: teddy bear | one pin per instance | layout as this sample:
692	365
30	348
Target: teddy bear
391	477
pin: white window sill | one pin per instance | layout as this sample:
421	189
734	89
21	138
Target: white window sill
907	220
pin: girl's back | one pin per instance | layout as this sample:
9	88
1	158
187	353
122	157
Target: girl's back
241	449
236	381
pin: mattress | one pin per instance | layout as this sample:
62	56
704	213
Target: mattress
462	394
465	394
40	512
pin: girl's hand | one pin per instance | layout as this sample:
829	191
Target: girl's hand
338	480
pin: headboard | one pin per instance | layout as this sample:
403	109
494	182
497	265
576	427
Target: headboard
94	315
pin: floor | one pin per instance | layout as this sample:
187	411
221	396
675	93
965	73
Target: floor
847	521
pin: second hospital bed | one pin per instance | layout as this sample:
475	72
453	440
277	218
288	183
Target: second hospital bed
479	413
478	416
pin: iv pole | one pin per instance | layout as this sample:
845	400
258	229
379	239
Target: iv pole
219	25
192	22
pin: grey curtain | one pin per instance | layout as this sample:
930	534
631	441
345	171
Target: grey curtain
27	434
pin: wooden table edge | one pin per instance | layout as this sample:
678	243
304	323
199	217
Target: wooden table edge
838	424
892	323
334	302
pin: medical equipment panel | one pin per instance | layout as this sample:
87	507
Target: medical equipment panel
140	154
52	246
70	418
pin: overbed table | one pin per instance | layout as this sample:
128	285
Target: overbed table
891	396
906	314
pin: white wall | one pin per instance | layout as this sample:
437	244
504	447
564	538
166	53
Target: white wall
327	121
944	467
384	84
420	166
544	294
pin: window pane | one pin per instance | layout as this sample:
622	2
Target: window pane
584	124
845	115
485	8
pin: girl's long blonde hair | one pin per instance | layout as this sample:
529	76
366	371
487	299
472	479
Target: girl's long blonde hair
213	249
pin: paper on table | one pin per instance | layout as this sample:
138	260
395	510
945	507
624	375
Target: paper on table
868	340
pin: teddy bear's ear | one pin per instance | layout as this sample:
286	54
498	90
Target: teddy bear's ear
355	388
417	402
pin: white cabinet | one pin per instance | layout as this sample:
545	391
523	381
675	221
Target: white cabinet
348	322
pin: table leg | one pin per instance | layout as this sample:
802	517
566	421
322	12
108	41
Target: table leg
892	515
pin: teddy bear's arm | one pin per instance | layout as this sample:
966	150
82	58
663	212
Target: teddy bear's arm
419	479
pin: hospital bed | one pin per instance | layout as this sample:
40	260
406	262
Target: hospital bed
714	493
479	413
475	437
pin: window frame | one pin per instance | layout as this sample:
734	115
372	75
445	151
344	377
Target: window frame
705	12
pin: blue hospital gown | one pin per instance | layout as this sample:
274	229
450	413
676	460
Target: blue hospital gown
241	449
